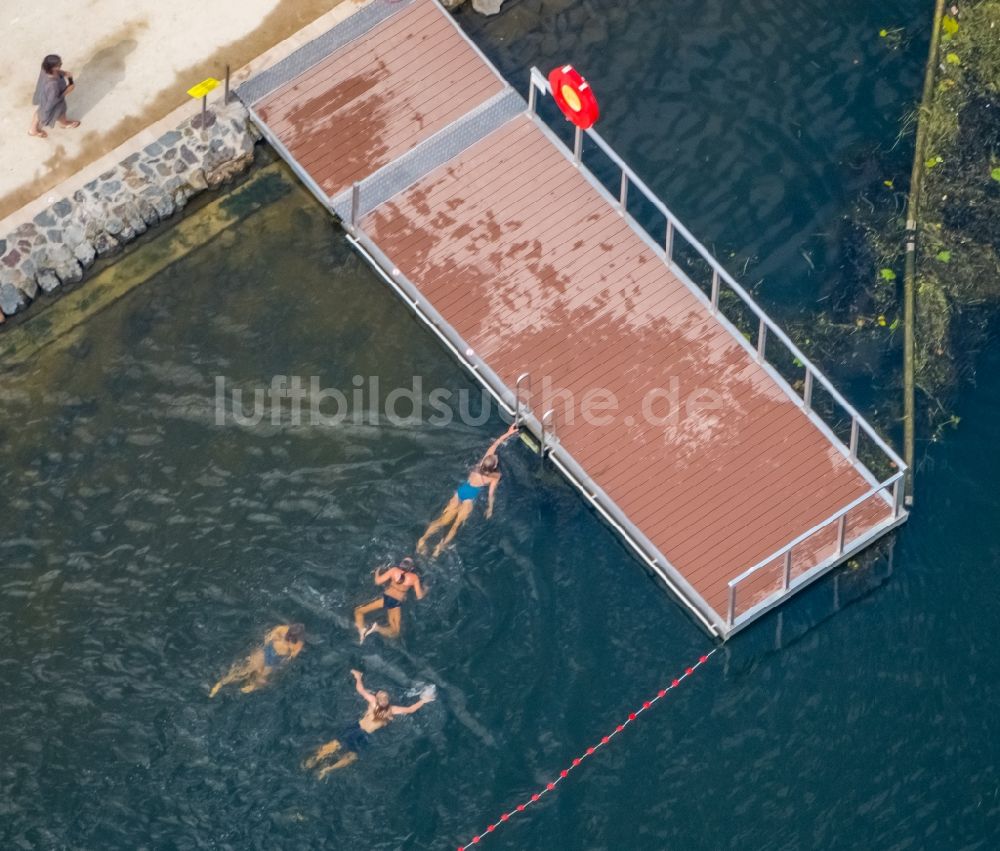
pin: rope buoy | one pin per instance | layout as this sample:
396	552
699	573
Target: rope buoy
574	96
577	761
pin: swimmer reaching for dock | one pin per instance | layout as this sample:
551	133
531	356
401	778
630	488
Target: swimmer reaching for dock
353	739
486	474
398	580
281	645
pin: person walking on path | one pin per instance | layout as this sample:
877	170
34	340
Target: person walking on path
50	97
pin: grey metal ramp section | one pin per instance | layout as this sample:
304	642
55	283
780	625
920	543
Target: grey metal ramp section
433	152
365	19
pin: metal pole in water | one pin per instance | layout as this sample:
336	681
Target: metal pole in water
909	275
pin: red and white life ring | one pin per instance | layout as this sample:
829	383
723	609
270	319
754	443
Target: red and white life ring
574	96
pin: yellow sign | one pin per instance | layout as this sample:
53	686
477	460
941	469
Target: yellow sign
203	88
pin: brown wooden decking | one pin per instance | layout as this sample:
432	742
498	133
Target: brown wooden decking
520	254
376	98
538	273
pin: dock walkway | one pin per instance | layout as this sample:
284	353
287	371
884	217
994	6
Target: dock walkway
728	461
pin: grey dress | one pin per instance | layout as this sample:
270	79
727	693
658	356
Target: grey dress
50	98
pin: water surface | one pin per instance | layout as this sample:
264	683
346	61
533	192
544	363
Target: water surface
145	547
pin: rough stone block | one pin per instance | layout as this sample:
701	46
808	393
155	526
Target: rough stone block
74	234
171	137
160	200
113	224
47	280
147	211
45	219
12	300
105	245
85	254
197	181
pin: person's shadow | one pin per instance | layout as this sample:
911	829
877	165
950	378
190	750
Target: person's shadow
99	76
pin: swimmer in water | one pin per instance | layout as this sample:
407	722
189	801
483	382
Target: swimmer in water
398	580
356	737
486	474
281	644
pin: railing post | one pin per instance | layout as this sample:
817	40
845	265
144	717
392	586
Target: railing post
732	606
578	145
854	437
355	204
761	339
842	533
668	243
623	194
788	570
547	429
807	391
715	290
524	376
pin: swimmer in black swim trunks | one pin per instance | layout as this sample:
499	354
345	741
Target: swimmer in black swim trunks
354	738
398	579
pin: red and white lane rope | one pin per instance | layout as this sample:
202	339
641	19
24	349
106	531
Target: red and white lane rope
605	740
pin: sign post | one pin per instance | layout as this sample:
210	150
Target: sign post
201	91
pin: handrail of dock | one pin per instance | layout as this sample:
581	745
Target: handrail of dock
767	327
674	226
785	552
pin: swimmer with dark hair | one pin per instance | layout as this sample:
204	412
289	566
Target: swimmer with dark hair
486	474
398	580
355	738
281	645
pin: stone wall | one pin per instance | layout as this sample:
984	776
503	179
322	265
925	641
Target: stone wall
146	188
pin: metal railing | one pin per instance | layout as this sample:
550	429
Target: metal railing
767	331
784	556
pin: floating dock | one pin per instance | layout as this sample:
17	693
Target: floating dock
729	463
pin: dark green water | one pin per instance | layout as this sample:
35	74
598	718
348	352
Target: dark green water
145	547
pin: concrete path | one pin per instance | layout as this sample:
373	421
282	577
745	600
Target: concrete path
133	63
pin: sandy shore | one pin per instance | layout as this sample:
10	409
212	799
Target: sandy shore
132	62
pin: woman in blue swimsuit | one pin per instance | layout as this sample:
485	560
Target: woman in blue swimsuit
485	475
281	645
